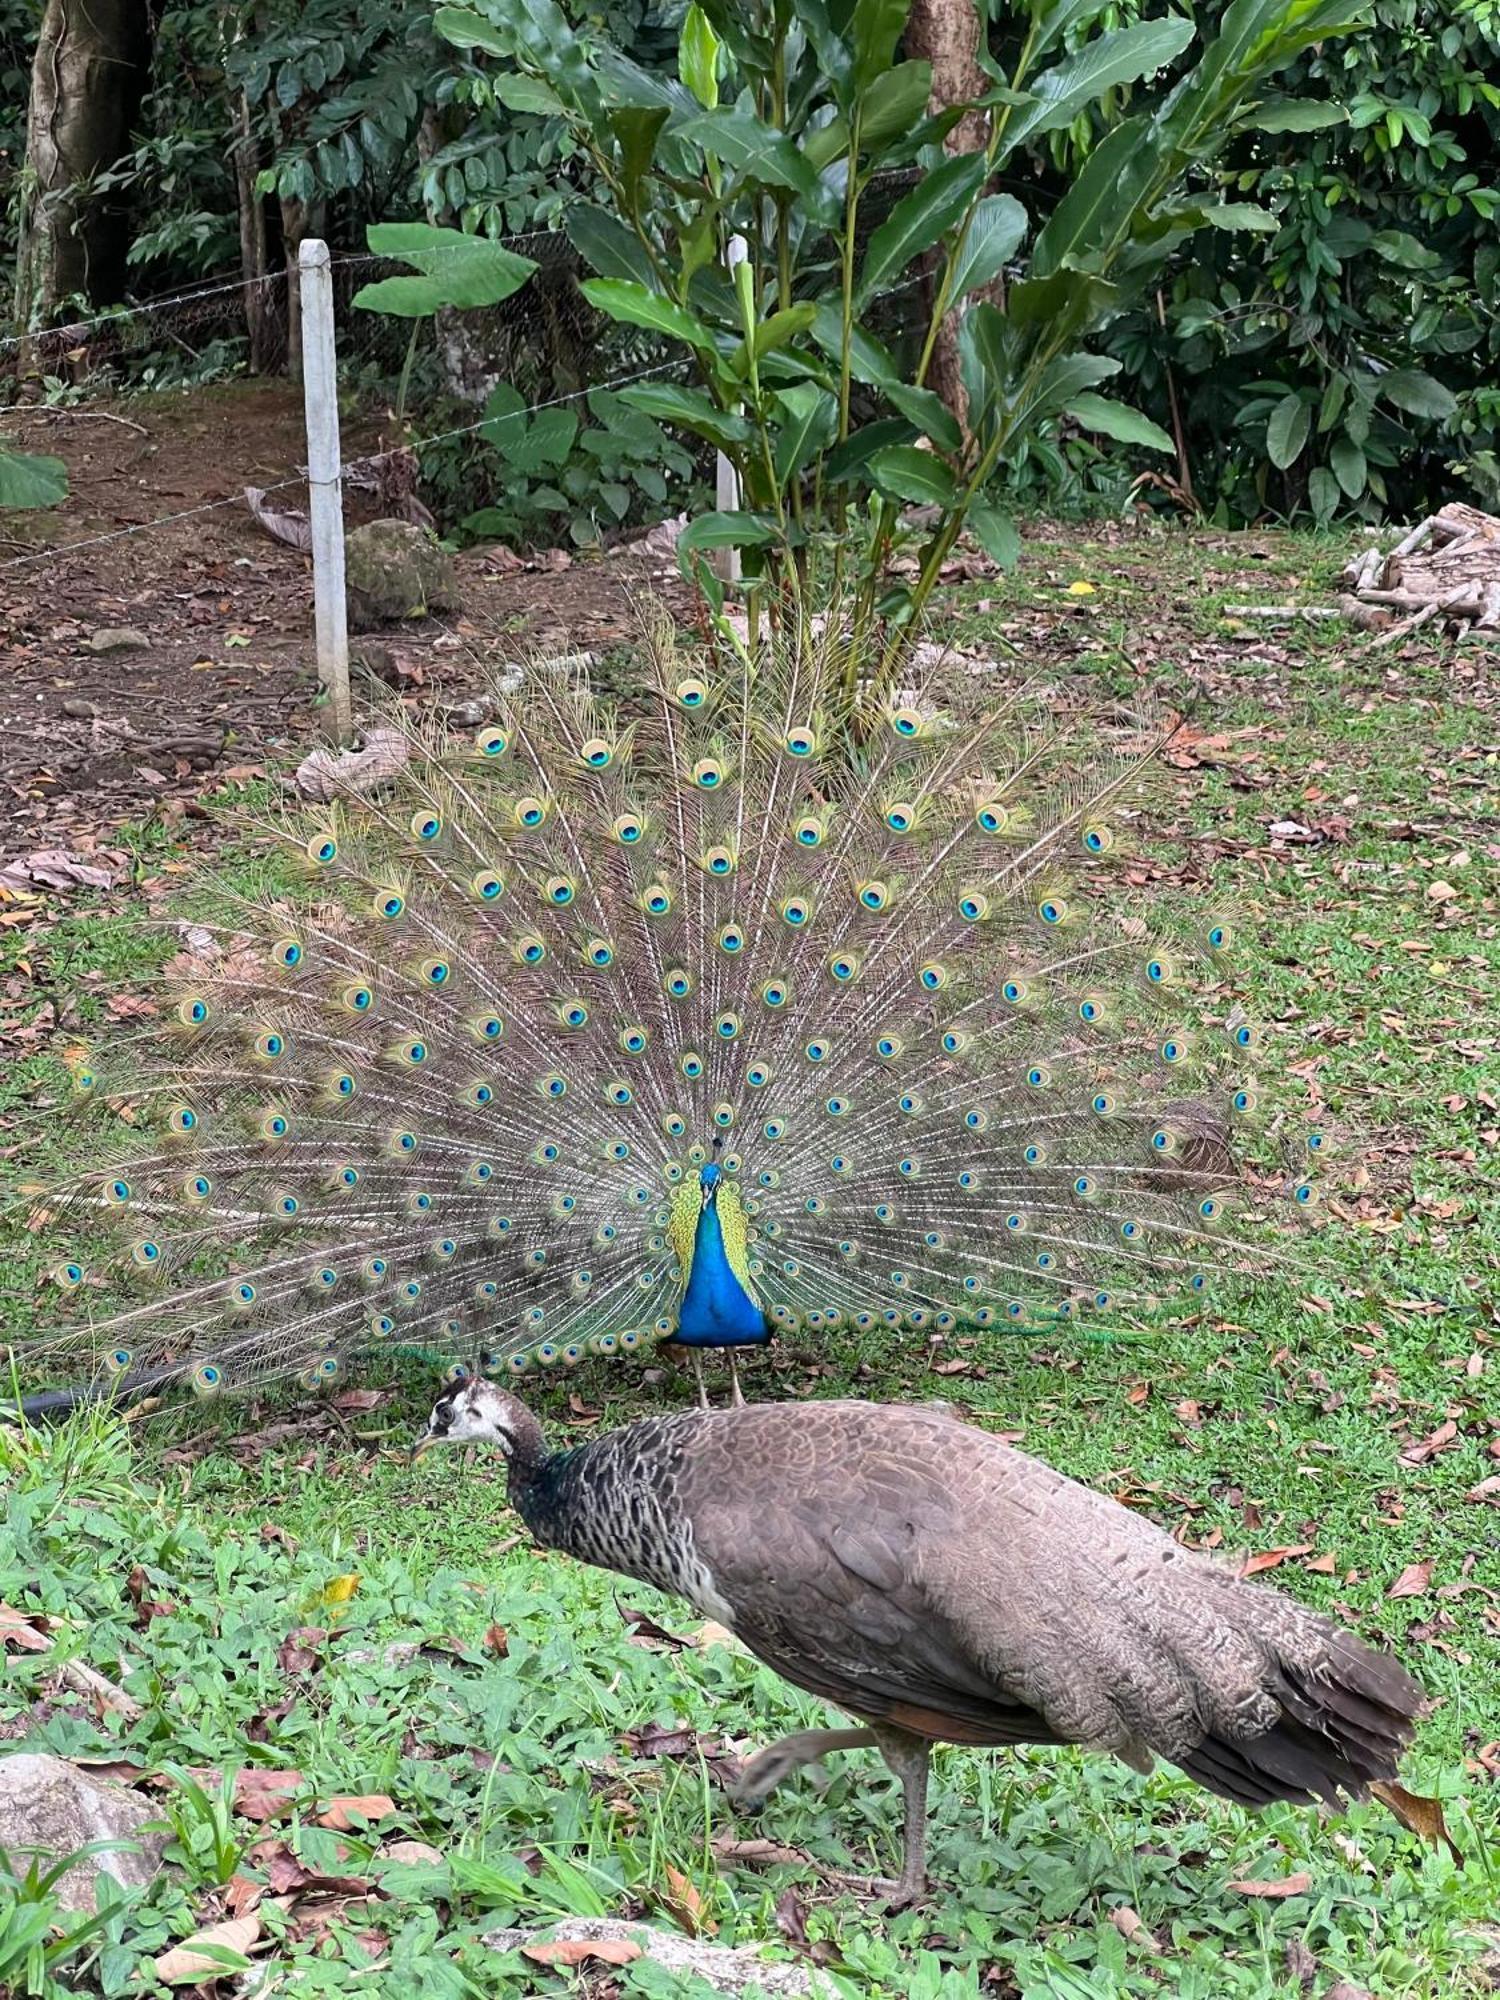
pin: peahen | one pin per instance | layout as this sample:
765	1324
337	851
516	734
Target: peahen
944	1587
748	1002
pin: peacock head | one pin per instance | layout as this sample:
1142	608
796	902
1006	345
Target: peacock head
477	1412
708	1182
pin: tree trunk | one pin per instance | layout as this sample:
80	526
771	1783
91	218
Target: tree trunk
298	219
87	80
469	370
947	34
262	320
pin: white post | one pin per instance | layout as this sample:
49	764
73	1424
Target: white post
726	479
320	397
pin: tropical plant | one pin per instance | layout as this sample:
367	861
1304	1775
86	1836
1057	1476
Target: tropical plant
550	473
783	131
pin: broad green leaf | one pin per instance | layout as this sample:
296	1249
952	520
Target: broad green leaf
1322	494
926	409
938	202
606	244
869	362
995	231
1293	114
698	57
830	45
723	531
458	270
1239	215
874	30
633	304
1064	380
1286	431
902	472
636	128
467	30
1123	55
671	403
518	92
1118	421
1061	305
27	480
751	148
1349	467
809	419
895	101
1418	394
1094	216
851	459
1397	246
783	327
995	533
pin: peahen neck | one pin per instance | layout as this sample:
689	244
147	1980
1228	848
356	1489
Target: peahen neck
717	1309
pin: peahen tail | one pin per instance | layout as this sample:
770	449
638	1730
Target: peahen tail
457	1085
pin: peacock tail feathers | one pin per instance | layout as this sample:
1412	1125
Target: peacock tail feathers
456	1087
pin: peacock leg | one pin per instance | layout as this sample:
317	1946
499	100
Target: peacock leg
736	1393
770	1767
908	1757
698	1377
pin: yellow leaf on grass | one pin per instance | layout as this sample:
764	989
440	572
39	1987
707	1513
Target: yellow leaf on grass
336	1595
1080	589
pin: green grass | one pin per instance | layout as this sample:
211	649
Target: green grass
1280	1427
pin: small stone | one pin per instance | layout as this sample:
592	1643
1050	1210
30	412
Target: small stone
731	1969
49	1804
117	639
395	570
79	709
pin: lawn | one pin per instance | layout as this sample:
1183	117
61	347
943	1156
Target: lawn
550	1753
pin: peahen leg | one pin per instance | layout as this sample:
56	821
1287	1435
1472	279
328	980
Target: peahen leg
908	1757
772	1766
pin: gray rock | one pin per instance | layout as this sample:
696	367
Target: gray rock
395	570
727	1968
49	1804
117	639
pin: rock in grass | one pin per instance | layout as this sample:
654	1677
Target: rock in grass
48	1804
117	639
393	570
727	1968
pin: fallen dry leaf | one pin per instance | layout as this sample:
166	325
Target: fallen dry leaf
17	1630
685	1906
644	1630
412	1854
1132	1928
57	868
340	1814
578	1951
210	1953
1421	1816
1272	1558
1289	1885
1488	1490
497	1641
1413	1580
1425	1448
712	1634
261	1794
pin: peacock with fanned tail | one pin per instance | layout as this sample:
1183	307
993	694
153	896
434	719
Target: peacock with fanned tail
754	1003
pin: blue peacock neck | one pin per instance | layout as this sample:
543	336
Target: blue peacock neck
716	1310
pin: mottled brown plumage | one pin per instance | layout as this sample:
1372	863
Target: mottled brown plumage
945	1587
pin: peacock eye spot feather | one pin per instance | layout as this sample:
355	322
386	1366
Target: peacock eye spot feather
992	819
657	901
758	1075
691	694
837	1107
628	829
358	999
727	1027
597	753
888	1047
974	908
491	742
691	1064
901	818
932	976
390	905
530	950
775	993
488	885
816	1051
322	850
678	982
1013	991
1244	1037
873	896
560	891
287	953
436	971
723	1116
796	911
1102	1104
906	723
1035	1156
1038	1076
708	774
801	741
808	832
529	813
1097	839
731	939
193	1013
1053	910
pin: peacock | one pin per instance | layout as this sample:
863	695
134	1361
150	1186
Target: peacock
944	1587
758	1000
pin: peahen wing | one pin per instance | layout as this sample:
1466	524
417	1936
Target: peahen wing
453	1085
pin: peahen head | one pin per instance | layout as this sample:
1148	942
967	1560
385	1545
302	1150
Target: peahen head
477	1412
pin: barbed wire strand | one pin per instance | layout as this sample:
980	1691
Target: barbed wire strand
61	550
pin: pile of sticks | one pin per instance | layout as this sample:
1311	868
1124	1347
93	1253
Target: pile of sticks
1447	567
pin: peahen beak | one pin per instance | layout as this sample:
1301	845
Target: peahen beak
427	1438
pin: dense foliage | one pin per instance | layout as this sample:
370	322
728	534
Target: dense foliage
1345	360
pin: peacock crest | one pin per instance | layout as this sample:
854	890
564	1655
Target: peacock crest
458	1086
